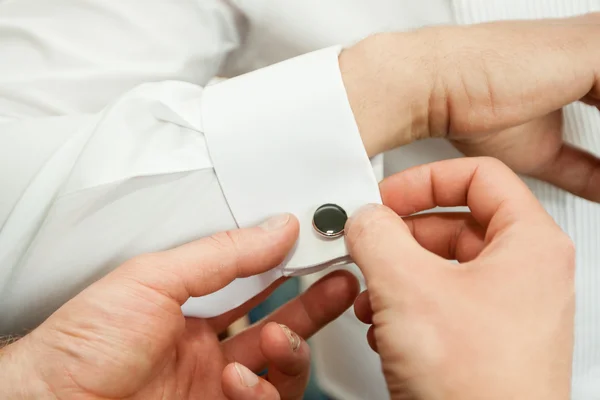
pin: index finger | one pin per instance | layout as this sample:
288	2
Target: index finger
490	189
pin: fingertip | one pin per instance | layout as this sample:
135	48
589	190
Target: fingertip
230	378
369	216
232	384
288	359
246	377
366	212
279	339
284	349
292	226
239	383
294	340
284	239
371	338
381	245
276	222
373	233
264	246
272	337
282	228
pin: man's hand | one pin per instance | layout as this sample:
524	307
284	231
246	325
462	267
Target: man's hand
498	325
493	89
125	335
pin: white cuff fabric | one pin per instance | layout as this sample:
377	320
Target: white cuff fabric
284	139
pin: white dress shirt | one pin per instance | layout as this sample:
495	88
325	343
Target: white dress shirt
345	365
110	147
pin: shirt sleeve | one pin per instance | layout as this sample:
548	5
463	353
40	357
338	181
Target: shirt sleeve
170	162
65	57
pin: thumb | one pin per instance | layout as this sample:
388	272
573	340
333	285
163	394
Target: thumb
384	249
575	171
204	266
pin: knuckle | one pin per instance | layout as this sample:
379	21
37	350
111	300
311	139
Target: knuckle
226	246
563	251
153	271
567	248
222	241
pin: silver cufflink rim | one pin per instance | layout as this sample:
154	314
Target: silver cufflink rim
328	234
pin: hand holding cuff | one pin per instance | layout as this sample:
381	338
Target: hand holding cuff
306	154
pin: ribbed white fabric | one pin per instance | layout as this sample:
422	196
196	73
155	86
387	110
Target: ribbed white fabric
578	217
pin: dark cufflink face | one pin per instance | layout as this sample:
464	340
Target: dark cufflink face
329	220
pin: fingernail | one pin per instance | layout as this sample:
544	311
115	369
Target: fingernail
293	338
248	377
276	222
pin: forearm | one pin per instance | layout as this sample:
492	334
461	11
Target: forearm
469	81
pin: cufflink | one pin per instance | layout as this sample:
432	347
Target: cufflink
329	220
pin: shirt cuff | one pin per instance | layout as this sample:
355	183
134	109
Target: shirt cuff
284	139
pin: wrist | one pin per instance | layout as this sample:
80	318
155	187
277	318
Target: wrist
18	374
388	86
